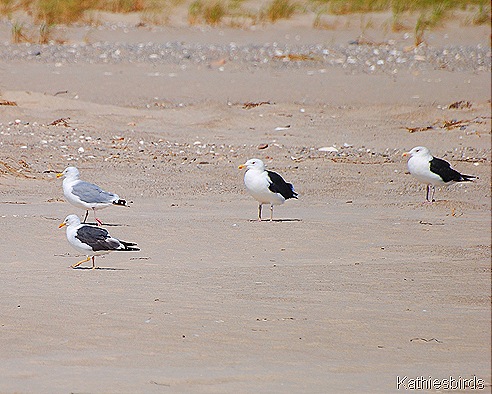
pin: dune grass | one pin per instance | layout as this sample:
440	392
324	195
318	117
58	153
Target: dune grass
482	15
238	13
66	11
341	7
430	13
45	33
213	11
19	34
279	9
208	12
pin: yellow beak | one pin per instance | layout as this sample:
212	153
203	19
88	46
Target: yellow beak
241	166
405	154
59	175
62	225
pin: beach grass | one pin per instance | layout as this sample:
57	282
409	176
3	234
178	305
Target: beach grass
208	12
279	9
19	33
428	14
341	7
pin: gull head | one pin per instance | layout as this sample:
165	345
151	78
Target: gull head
251	164
418	151
69	172
70	220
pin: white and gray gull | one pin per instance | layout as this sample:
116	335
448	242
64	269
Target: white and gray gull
432	171
267	187
86	195
91	240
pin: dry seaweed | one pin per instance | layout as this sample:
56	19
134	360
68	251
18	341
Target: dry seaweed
7	169
295	57
415	129
60	122
460	105
448	124
426	340
250	105
6	102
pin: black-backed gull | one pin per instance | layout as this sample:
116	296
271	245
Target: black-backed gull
432	171
91	240
267	187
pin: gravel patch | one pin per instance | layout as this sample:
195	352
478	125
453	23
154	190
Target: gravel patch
386	58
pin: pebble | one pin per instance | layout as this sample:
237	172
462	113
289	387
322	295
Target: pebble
391	56
328	149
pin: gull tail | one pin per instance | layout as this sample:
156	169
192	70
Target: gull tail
294	194
121	202
129	246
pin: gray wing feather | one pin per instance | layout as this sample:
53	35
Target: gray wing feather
91	193
97	238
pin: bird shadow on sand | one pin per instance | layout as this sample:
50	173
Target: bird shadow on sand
276	220
100	268
107	224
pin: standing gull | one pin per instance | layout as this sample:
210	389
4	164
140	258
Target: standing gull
91	240
86	195
432	171
267	187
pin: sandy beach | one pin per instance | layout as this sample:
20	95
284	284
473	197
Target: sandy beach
354	285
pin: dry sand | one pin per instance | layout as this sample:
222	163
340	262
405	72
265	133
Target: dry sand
354	284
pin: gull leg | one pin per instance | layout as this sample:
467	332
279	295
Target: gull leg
429	197
430	193
99	223
93	263
259	212
271	212
81	262
86	214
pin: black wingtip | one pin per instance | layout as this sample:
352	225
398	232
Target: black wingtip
129	246
120	202
469	178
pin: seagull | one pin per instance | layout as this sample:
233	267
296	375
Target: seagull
92	240
267	187
432	171
86	195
